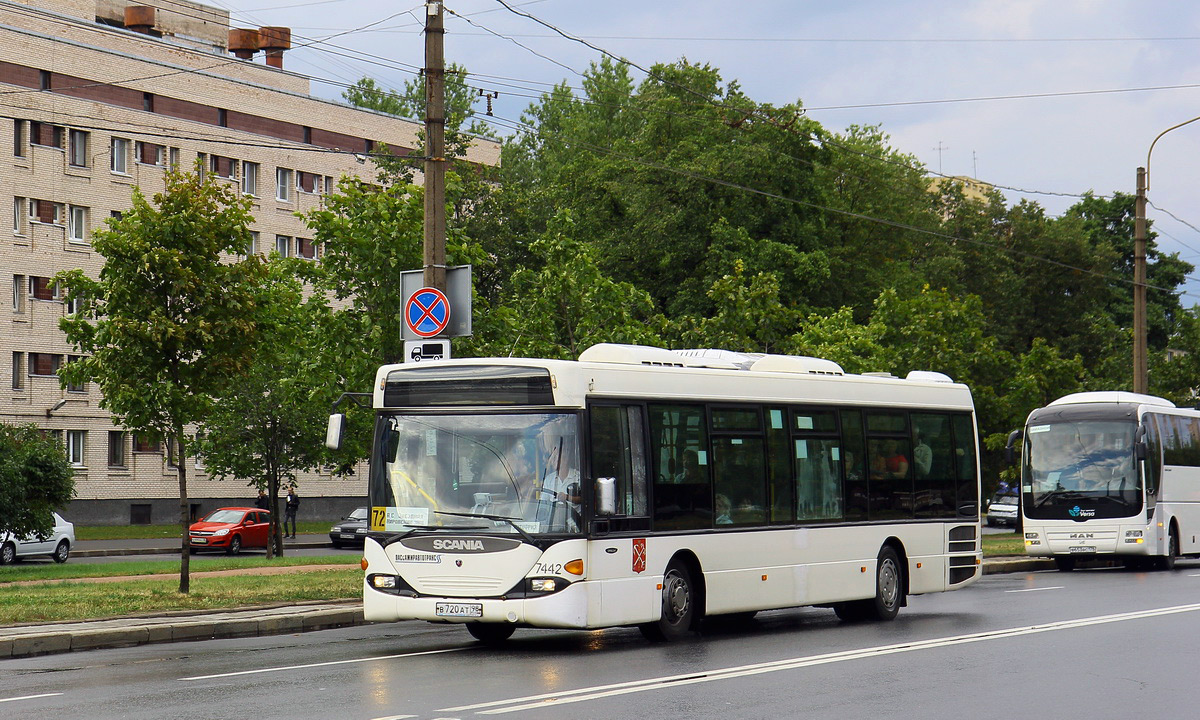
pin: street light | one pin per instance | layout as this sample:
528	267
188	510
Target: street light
1140	381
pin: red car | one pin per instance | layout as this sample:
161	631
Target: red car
230	530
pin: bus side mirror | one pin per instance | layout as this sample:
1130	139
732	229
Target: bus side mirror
1013	438
1139	443
334	431
606	496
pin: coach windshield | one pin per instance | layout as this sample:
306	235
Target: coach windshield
514	473
1081	469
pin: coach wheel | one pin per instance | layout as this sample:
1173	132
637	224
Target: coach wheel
62	551
889	586
678	606
1065	564
1167	562
235	545
490	633
8	554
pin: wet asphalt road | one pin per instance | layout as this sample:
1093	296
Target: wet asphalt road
1096	643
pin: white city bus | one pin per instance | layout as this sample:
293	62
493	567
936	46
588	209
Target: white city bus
1111	475
649	487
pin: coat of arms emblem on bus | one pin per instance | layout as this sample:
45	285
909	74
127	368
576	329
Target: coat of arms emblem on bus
639	555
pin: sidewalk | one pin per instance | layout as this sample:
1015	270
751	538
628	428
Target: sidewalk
46	638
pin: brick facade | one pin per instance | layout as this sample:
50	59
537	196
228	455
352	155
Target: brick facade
73	92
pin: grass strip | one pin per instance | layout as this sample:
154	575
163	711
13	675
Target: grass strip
51	571
92	601
151	532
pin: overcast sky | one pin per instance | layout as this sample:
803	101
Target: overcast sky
1105	76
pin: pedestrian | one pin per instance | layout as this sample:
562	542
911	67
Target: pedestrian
290	508
262	502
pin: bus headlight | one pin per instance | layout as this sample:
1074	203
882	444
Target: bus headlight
383	582
1134	537
542	585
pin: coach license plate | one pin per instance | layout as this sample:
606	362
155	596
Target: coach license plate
444	609
1082	549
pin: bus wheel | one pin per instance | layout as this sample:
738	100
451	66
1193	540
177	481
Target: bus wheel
1167	562
678	606
849	611
491	633
889	586
1065	564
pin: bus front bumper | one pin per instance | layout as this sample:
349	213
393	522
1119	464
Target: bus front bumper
564	609
1056	542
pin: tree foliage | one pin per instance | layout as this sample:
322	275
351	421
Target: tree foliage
170	321
35	479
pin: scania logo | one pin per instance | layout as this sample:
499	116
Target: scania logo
461	545
458	545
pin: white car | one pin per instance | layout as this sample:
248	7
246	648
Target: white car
1003	510
57	545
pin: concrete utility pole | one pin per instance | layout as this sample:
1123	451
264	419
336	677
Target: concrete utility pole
435	146
1140	379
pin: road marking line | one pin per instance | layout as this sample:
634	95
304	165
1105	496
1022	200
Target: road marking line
1056	587
395	717
602	691
28	697
322	664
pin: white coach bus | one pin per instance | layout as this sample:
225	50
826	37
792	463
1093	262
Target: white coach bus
1111	475
649	487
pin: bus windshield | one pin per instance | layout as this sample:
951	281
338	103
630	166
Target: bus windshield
512	473
1083	468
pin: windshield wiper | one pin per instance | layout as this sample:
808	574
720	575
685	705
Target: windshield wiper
499	518
1053	494
397	537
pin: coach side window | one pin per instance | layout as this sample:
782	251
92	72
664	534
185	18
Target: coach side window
679	460
618	451
739	466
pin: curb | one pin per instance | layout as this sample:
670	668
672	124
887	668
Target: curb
32	640
112	552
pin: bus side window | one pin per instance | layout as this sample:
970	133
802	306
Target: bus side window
739	466
618	451
964	453
855	458
933	465
679	459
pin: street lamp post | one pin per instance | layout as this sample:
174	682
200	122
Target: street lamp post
1140	381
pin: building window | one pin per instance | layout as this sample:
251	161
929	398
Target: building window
306	249
252	246
173	158
151	154
222	117
20	215
77	230
143	444
283	184
46	212
74	304
46	135
148	101
307	135
224	167
19	138
308	182
79	148
18	293
44	364
283	245
18	370
45	79
116	448
328	184
250	178
76	442
40	288
75	387
120	156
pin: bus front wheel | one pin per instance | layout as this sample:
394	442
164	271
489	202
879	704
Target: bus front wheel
490	633
1065	564
1167	562
678	606
889	586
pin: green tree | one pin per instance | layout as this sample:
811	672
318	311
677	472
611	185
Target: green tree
169	322
35	479
269	422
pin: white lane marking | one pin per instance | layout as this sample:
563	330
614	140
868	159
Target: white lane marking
395	717
602	691
1056	587
28	697
1194	575
322	664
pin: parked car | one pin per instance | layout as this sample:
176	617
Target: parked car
57	545
1002	510
350	530
230	530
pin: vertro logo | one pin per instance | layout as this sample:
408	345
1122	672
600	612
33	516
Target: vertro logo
1074	512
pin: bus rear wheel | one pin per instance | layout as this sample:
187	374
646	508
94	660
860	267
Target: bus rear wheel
490	633
678	606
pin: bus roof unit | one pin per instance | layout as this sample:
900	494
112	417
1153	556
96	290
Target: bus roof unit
1111	396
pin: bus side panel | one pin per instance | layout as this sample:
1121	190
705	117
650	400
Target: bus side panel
1179	497
619	595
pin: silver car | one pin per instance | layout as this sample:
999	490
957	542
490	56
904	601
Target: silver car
57	545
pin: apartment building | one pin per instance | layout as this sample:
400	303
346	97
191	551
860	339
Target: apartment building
97	97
